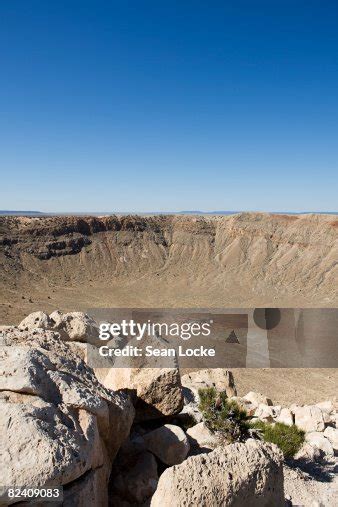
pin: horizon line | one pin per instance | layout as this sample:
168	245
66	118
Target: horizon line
131	212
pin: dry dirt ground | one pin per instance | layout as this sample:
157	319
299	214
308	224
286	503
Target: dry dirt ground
286	386
243	260
312	486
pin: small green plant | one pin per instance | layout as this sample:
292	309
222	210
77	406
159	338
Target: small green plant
288	438
223	416
231	422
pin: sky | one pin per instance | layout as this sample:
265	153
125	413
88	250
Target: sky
169	105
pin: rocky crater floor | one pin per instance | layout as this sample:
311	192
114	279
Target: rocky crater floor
159	437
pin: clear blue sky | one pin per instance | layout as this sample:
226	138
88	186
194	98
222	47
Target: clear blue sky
169	105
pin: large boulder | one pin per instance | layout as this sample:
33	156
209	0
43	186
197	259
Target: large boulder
135	480
256	399
72	326
317	439
309	453
157	391
92	357
332	435
76	326
334	420
326	406
234	475
154	382
309	418
267	413
201	439
87	490
328	411
169	443
36	320
58	422
285	417
45	444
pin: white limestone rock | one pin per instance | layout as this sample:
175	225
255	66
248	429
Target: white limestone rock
233	475
309	418
169	443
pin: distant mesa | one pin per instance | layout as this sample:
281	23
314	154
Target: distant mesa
19	212
199	212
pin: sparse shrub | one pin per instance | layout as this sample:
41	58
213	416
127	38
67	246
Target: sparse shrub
231	422
223	416
288	438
